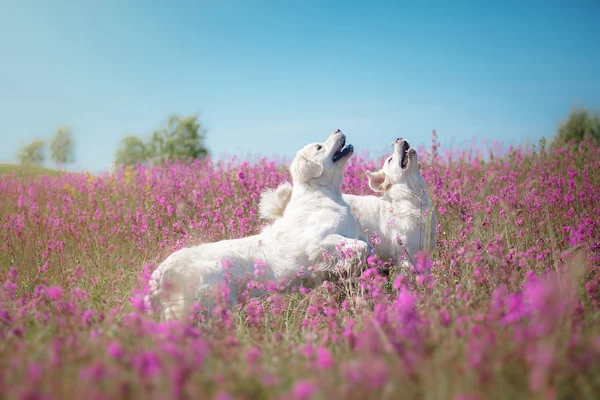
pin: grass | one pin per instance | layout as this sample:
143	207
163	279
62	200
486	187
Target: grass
27	170
508	305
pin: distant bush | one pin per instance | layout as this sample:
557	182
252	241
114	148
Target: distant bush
580	125
32	152
131	150
61	146
180	139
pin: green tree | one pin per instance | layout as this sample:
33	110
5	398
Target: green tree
131	150
580	125
32	152
181	139
61	146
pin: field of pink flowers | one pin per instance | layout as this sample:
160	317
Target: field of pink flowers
508	305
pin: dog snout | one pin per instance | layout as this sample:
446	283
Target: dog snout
402	141
337	136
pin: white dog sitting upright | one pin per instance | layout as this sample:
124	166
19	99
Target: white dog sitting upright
317	221
403	216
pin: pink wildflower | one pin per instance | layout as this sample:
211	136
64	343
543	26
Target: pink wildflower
253	355
303	390
324	358
54	293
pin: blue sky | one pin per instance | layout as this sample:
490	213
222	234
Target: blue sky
268	77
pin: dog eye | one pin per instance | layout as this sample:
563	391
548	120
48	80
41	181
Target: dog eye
319	147
390	160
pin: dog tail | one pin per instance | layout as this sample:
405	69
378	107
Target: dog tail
272	203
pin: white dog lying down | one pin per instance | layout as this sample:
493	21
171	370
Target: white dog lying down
317	220
403	215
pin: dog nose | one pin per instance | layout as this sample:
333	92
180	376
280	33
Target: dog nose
399	139
337	131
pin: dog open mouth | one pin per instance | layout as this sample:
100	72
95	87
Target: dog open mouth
343	150
404	154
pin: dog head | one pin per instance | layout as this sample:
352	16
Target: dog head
401	167
322	164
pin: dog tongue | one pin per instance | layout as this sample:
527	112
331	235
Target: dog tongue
342	152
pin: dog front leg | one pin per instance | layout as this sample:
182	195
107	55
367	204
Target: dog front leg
337	253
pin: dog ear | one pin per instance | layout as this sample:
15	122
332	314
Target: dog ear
377	181
303	169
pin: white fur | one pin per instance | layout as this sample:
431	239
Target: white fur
403	216
317	220
273	202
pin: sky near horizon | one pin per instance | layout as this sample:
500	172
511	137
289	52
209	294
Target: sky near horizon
269	77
